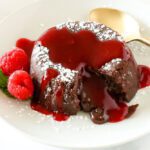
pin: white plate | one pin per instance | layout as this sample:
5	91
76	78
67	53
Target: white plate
78	131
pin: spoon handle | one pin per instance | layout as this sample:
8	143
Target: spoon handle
144	40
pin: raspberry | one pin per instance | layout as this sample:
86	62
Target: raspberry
13	60
20	85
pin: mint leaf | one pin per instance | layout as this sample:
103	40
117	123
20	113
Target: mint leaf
3	80
3	83
5	91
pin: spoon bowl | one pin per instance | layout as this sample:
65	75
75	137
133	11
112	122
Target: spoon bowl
120	21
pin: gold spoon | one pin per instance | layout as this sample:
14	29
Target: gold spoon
120	21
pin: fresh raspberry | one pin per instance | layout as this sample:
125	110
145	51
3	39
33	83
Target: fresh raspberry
20	85
13	60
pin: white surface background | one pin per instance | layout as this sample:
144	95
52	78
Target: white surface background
11	139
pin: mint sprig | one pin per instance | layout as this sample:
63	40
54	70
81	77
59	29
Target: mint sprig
3	80
3	83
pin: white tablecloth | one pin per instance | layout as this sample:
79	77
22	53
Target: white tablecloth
11	139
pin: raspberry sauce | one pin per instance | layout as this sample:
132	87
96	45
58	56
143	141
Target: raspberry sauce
56	116
60	117
50	74
25	44
72	49
95	89
144	76
83	46
40	109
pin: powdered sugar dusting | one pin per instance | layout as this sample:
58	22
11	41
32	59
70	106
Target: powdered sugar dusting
41	55
108	65
100	30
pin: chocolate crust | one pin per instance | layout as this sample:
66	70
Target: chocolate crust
122	79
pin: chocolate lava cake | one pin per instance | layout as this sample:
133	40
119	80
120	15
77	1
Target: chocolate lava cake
84	66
